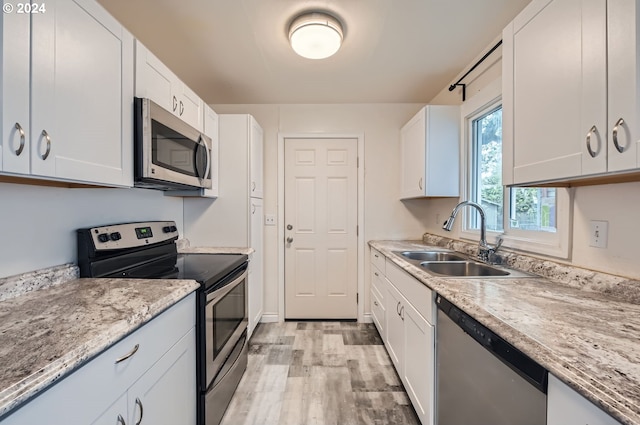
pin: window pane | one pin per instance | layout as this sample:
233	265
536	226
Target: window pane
487	169
533	209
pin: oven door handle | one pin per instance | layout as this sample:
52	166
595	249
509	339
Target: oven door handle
217	294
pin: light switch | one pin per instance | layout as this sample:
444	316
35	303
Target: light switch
599	234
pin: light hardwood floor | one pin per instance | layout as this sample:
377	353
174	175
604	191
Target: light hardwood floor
319	373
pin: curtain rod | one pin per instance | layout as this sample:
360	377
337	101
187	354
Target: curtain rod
482	59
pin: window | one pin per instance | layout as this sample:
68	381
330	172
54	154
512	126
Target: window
531	219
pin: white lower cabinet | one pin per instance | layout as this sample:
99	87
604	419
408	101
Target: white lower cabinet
155	385
378	309
409	335
567	407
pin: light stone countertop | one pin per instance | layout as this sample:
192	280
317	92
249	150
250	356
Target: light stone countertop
46	334
589	339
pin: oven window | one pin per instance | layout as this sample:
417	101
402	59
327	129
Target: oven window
173	151
228	313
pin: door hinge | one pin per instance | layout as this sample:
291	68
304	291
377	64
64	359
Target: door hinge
357	230
358	162
357	298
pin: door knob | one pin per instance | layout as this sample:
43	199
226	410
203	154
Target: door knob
289	239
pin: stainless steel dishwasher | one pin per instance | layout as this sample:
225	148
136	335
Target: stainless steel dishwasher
481	378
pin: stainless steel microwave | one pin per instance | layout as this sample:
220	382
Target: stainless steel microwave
169	154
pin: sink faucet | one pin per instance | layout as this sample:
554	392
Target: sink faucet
485	251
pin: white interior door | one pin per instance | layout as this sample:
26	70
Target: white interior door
321	204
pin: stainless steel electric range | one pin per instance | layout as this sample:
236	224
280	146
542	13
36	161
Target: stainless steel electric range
148	250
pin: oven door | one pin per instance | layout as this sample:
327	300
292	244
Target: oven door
225	321
168	150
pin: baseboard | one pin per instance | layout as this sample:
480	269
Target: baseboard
366	318
270	318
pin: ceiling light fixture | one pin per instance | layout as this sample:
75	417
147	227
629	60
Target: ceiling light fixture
315	35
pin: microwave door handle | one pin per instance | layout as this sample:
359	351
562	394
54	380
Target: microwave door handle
201	144
208	152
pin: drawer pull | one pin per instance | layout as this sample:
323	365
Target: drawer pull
592	131
139	403
619	123
121	420
398	308
46	153
376	274
129	354
376	255
376	303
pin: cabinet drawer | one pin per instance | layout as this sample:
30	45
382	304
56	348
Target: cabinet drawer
378	312
95	386
413	290
377	281
378	260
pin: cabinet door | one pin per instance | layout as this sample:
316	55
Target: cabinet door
166	393
190	106
116	414
395	327
256	159
211	126
419	363
14	152
412	146
567	407
624	84
547	91
256	265
154	80
82	94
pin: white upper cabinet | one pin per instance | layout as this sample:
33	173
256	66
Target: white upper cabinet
14	154
157	82
429	145
256	159
569	76
75	121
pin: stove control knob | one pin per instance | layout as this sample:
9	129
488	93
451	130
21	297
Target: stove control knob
174	229
115	236
166	229
104	237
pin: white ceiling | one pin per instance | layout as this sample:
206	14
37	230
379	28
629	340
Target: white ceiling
236	51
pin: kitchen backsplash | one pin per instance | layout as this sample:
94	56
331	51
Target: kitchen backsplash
618	287
13	286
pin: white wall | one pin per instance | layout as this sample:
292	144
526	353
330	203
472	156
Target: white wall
385	216
39	223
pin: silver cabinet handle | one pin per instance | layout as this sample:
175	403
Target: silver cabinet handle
121	420
46	153
253	186
253	208
376	255
376	274
375	303
129	354
592	132
420	183
289	239
139	403
22	138
619	123
181	108
398	308
402	313
175	103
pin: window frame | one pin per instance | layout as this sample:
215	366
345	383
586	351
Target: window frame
554	244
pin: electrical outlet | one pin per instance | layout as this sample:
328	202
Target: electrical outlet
269	220
599	233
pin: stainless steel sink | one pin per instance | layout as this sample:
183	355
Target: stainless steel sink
431	256
470	269
462	269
